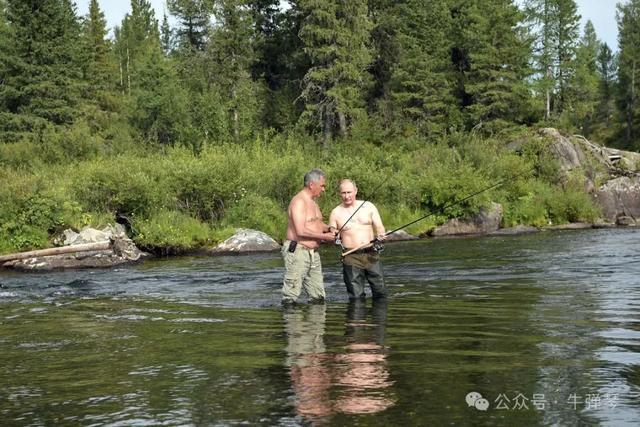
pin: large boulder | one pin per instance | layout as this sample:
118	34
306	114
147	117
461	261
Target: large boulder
400	235
121	251
619	200
245	240
91	235
568	155
484	222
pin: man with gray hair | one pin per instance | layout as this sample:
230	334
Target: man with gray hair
305	231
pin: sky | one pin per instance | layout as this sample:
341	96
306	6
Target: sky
601	12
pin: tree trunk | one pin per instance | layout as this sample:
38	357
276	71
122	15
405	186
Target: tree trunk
342	121
234	114
99	246
326	133
631	106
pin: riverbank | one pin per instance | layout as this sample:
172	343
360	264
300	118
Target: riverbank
175	202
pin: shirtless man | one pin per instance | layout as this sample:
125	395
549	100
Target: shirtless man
305	231
362	265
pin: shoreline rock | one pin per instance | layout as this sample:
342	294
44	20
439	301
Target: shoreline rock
484	222
245	241
122	251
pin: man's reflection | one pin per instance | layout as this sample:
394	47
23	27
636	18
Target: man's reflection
307	359
351	382
362	370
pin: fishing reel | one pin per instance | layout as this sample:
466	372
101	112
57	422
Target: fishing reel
378	247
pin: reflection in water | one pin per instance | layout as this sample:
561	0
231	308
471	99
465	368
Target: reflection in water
310	377
353	382
362	370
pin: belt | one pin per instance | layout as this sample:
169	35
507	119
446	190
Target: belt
301	246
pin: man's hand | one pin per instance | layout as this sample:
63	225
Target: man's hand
329	236
381	237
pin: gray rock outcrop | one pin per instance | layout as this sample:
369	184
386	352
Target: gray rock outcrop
619	196
619	200
400	235
486	221
121	251
246	240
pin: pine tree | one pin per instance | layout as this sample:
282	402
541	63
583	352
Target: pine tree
628	17
40	69
420	90
231	55
492	63
606	66
166	35
335	36
98	66
136	40
193	20
555	24
584	87
279	60
567	32
603	128
160	104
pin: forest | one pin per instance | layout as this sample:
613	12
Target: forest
192	129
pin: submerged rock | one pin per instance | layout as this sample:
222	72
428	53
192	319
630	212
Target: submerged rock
514	231
245	240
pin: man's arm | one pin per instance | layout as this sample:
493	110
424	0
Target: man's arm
298	218
333	220
377	223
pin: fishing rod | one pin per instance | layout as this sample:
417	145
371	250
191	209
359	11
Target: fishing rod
456	202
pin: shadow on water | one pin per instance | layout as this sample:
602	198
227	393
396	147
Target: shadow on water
545	328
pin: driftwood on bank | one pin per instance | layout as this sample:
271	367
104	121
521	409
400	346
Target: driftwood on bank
98	246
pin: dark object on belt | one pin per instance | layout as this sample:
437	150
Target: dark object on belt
292	246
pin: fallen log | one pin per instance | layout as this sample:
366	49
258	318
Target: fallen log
98	246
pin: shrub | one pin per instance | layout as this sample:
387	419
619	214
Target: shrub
173	230
259	213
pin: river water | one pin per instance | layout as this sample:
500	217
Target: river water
539	329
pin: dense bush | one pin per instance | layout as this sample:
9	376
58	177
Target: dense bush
180	199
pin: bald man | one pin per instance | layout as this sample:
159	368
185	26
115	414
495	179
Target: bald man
363	265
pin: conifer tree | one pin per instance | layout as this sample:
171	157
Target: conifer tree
492	62
606	65
231	55
98	67
40	68
335	35
279	60
585	85
166	35
567	34
420	90
193	20
628	17
555	24
136	40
